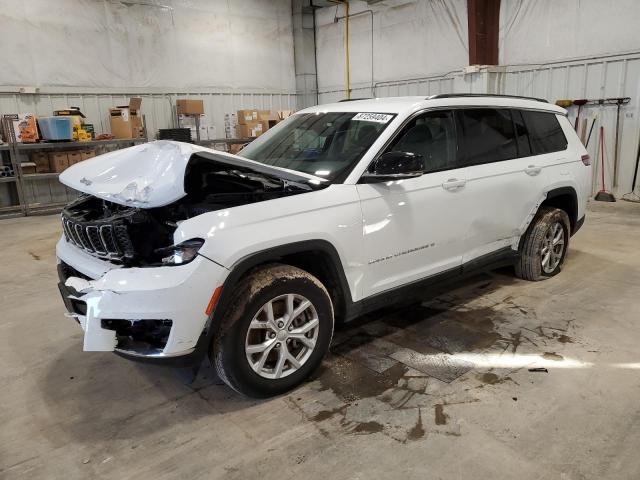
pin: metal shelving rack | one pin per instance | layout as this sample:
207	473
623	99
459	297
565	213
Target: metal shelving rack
28	187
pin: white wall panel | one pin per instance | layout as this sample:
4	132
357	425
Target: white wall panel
197	45
533	31
411	38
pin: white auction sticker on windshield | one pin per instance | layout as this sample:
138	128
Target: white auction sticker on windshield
373	117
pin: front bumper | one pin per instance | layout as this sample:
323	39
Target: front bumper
94	290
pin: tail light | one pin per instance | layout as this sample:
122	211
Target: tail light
586	159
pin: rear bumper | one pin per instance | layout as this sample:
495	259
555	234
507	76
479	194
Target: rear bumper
98	295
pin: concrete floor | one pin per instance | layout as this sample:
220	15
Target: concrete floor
438	390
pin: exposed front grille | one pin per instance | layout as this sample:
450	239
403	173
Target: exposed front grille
108	241
117	233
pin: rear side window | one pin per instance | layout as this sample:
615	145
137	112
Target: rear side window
545	132
486	135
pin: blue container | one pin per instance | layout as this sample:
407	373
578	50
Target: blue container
56	128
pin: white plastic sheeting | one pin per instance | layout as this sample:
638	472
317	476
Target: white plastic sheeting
576	49
413	38
548	30
243	44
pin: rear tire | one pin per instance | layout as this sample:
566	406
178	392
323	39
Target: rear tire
544	245
275	333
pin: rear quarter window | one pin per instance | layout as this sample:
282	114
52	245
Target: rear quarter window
545	132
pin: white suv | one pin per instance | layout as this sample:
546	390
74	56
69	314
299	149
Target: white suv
180	251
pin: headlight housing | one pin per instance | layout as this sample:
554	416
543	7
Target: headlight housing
182	253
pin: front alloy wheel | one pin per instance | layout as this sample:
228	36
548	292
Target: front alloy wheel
282	336
275	331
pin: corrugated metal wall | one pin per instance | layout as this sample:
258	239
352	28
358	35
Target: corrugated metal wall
156	107
395	88
591	78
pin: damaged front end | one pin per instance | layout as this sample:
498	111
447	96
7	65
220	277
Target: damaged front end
126	275
134	230
152	313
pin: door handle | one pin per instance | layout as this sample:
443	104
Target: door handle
532	170
453	184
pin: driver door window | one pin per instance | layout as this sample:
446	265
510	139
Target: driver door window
431	135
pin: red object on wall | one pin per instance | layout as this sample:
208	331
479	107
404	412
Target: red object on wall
484	21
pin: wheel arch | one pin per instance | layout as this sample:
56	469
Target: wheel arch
318	257
564	198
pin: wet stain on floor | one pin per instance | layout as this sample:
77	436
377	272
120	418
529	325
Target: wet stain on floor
552	356
490	378
418	430
386	369
440	417
368	427
564	339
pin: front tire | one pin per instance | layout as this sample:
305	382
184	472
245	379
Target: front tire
275	332
544	245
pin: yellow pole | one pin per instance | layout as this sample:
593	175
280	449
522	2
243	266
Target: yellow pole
346	47
346	44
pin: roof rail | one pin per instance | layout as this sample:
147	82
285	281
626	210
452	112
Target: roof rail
354	99
463	95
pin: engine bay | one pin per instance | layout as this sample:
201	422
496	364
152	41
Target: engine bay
136	236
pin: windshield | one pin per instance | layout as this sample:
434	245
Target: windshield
321	144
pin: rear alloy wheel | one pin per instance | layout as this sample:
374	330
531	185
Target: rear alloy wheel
275	332
544	245
553	249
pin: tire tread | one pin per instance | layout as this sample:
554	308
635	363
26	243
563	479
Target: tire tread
528	266
245	291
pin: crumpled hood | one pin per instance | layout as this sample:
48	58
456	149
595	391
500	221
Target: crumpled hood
152	174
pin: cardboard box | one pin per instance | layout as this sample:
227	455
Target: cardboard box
231	132
42	162
251	129
247	116
212	132
25	128
266	115
74	157
58	161
189	106
204	134
236	147
189	121
28	168
282	114
126	121
87	154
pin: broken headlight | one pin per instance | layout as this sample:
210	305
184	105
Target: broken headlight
182	253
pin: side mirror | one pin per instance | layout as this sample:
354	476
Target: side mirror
395	166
